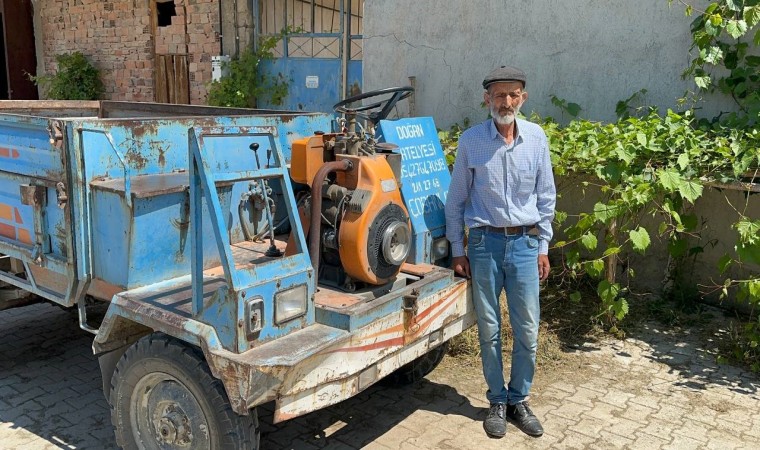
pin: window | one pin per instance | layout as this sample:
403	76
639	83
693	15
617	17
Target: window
166	11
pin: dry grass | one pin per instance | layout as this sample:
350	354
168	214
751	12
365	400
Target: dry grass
564	324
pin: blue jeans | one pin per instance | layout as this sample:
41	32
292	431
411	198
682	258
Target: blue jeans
509	262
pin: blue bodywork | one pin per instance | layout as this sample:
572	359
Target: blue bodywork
154	214
124	219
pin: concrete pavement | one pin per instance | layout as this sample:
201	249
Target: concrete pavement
655	390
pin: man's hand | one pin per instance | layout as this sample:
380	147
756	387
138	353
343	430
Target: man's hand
461	266
543	267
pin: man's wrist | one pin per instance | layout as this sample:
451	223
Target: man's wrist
457	249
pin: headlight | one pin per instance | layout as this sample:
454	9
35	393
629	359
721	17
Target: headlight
440	249
290	303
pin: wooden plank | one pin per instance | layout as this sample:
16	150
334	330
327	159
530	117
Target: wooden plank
182	84
171	79
161	88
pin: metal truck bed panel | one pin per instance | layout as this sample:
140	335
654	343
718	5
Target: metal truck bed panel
66	203
60	109
51	108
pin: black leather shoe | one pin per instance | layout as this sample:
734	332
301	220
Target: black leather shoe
525	420
496	422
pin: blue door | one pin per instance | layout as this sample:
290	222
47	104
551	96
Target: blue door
320	56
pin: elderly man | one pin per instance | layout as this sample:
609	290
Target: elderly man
503	190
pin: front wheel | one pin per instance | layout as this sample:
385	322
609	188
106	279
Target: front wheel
163	396
419	368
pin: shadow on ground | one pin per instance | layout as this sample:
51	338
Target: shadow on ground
364	418
51	395
689	343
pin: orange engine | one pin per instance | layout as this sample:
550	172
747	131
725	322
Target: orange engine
364	232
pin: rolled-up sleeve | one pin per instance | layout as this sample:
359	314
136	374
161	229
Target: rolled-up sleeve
461	180
546	198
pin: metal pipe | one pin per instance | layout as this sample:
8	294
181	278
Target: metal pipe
316	207
412	98
221	27
346	30
236	26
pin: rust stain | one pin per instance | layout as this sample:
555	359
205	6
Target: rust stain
335	299
142	129
60	233
161	157
102	290
422	325
418	269
48	279
136	159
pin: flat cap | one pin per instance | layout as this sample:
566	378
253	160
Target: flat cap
504	73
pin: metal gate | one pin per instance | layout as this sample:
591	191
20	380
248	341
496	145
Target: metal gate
322	58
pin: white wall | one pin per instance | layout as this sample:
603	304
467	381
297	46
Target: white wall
594	53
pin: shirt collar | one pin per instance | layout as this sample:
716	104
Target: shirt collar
494	132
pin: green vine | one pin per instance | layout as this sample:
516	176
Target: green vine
654	166
246	83
723	36
649	169
646	167
76	79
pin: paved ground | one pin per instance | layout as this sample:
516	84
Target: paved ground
652	391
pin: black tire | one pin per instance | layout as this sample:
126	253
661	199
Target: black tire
163	396
419	368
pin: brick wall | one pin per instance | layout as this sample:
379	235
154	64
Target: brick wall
202	43
117	38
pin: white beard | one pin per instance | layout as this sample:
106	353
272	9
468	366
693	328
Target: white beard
506	119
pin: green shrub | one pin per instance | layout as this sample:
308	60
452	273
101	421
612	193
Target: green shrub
246	83
76	79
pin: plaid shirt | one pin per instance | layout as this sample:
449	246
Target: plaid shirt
501	185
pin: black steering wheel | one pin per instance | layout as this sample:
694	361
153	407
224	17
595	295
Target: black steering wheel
374	112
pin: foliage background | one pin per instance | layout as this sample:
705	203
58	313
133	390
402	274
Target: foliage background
649	168
245	82
75	79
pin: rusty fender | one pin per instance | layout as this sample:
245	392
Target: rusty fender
320	366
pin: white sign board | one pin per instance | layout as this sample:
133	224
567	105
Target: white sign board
312	82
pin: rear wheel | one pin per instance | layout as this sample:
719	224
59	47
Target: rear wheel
419	368
163	396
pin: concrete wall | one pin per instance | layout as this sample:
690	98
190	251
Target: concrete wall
589	52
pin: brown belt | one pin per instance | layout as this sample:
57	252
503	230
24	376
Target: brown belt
527	229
